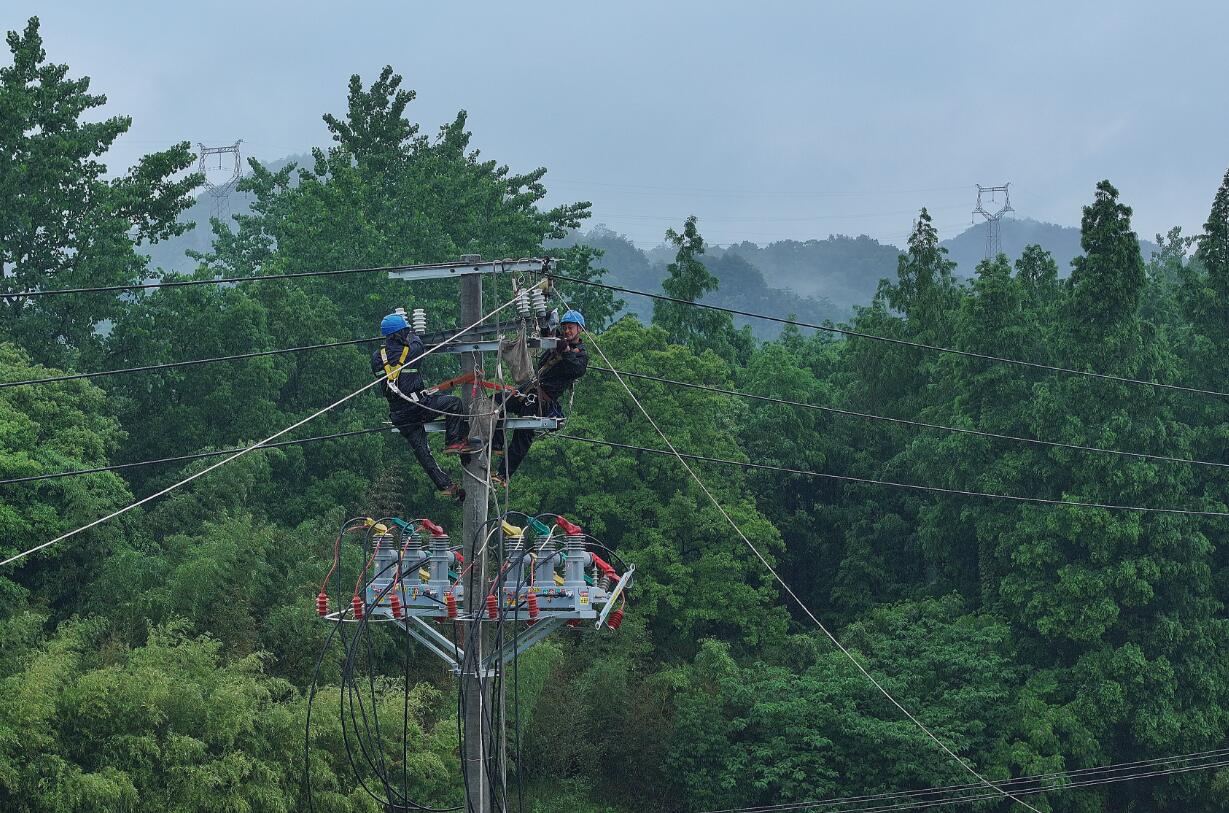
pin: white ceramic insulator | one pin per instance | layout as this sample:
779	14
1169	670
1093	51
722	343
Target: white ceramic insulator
419	321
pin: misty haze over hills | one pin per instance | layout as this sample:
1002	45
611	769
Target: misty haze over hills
813	280
969	247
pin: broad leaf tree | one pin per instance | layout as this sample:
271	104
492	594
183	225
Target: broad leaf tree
63	224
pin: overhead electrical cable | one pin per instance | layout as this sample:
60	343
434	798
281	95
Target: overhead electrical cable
919	424
956	492
785	586
251	448
1102	774
893	806
630	447
762	219
764	192
183	283
185	457
857	334
146	368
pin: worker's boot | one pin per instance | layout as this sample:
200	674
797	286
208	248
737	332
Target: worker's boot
453	492
472	445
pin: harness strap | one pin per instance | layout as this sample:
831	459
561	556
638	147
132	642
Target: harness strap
394	372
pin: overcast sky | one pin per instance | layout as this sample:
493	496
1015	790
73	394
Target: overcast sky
768	120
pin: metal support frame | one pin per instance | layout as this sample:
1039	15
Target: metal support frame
522	641
549	424
434	640
529	265
994	244
464	346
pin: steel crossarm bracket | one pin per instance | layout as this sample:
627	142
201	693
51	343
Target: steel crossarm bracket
432	639
512	423
479	332
457	269
523	641
465	346
624	581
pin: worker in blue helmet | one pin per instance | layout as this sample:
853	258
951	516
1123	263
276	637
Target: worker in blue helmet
554	374
411	404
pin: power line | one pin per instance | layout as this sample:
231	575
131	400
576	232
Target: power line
763	219
771	193
956	492
185	457
901	342
189	363
891	806
1208	759
252	448
233	280
718	390
188	282
919	424
630	447
785	586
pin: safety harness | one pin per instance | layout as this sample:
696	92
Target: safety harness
392	373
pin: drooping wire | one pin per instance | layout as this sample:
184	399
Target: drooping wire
178	283
353	706
246	450
850	333
917	424
955	492
785	586
1208	759
186	457
170	365
702	458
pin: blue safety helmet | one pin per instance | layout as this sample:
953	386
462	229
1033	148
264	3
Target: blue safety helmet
573	316
393	323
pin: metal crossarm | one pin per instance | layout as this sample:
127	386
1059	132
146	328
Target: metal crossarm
457	269
492	346
549	424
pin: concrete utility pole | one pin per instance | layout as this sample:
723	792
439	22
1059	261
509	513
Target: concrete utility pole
536	607
474	683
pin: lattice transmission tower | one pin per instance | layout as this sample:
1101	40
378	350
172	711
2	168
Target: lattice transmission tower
994	244
225	164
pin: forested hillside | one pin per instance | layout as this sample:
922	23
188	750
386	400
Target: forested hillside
1034	562
968	248
741	283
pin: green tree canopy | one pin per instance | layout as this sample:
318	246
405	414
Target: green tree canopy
64	225
689	280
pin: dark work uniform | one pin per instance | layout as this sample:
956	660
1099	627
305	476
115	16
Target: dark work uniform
409	408
556	371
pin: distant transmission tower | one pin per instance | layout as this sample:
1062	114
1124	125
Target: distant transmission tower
994	245
223	182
